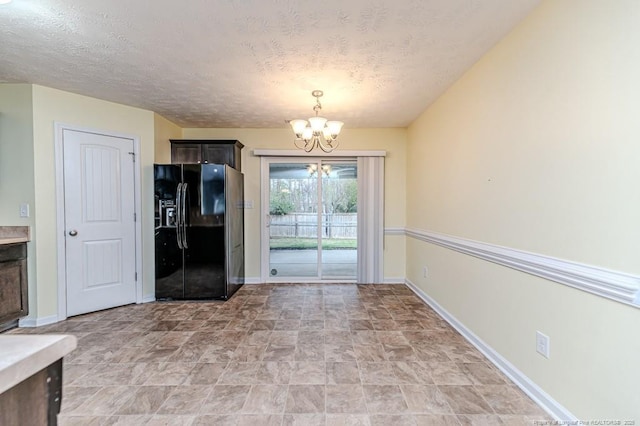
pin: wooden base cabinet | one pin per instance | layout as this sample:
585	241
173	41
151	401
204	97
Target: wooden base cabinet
35	401
14	302
31	377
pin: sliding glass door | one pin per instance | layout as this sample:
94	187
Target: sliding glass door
339	221
293	221
312	220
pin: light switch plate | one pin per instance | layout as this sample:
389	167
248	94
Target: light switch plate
24	210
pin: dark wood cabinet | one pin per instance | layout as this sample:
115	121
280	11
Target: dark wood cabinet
186	153
195	151
14	303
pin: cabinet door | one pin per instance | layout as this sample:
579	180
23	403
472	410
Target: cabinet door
218	154
13	290
188	153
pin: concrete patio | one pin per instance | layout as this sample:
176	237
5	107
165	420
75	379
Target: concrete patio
336	264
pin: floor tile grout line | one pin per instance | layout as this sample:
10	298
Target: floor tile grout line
247	308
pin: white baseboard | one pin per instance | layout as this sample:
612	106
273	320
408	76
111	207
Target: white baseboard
148	298
388	280
38	322
544	400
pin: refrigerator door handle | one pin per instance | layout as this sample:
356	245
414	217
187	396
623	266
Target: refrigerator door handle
183	215
179	216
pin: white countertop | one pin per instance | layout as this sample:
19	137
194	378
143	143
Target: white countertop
14	234
23	355
13	240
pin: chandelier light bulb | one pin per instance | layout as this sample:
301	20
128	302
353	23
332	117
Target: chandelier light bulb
317	124
307	133
298	126
334	128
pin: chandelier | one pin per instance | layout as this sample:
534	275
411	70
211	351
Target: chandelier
319	133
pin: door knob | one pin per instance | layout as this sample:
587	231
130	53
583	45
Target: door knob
73	233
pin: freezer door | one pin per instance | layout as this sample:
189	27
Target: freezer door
169	256
204	275
234	219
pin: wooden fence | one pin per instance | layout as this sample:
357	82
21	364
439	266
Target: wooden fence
305	225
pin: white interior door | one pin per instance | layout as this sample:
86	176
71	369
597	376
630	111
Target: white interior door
99	204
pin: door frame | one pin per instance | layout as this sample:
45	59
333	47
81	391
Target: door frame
370	267
60	210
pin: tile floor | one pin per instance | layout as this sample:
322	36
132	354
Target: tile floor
289	354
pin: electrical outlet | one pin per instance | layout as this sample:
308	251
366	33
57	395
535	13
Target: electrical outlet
542	344
24	210
425	271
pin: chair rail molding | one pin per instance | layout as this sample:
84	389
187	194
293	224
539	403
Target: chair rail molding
394	231
615	285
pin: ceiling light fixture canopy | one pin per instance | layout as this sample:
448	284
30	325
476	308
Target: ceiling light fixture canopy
319	133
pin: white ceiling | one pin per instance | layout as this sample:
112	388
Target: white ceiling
254	63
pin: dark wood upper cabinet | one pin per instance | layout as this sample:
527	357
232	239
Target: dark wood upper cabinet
186	152
194	151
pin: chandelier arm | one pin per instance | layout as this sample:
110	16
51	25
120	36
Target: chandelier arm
326	148
308	147
334	144
298	143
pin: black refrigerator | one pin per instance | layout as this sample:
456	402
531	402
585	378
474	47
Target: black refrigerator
199	231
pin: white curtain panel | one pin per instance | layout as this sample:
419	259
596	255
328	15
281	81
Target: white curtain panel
370	220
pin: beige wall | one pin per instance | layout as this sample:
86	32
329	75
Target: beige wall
163	131
391	140
16	167
536	148
50	106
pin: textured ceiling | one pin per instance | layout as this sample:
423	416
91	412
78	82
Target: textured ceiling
254	63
